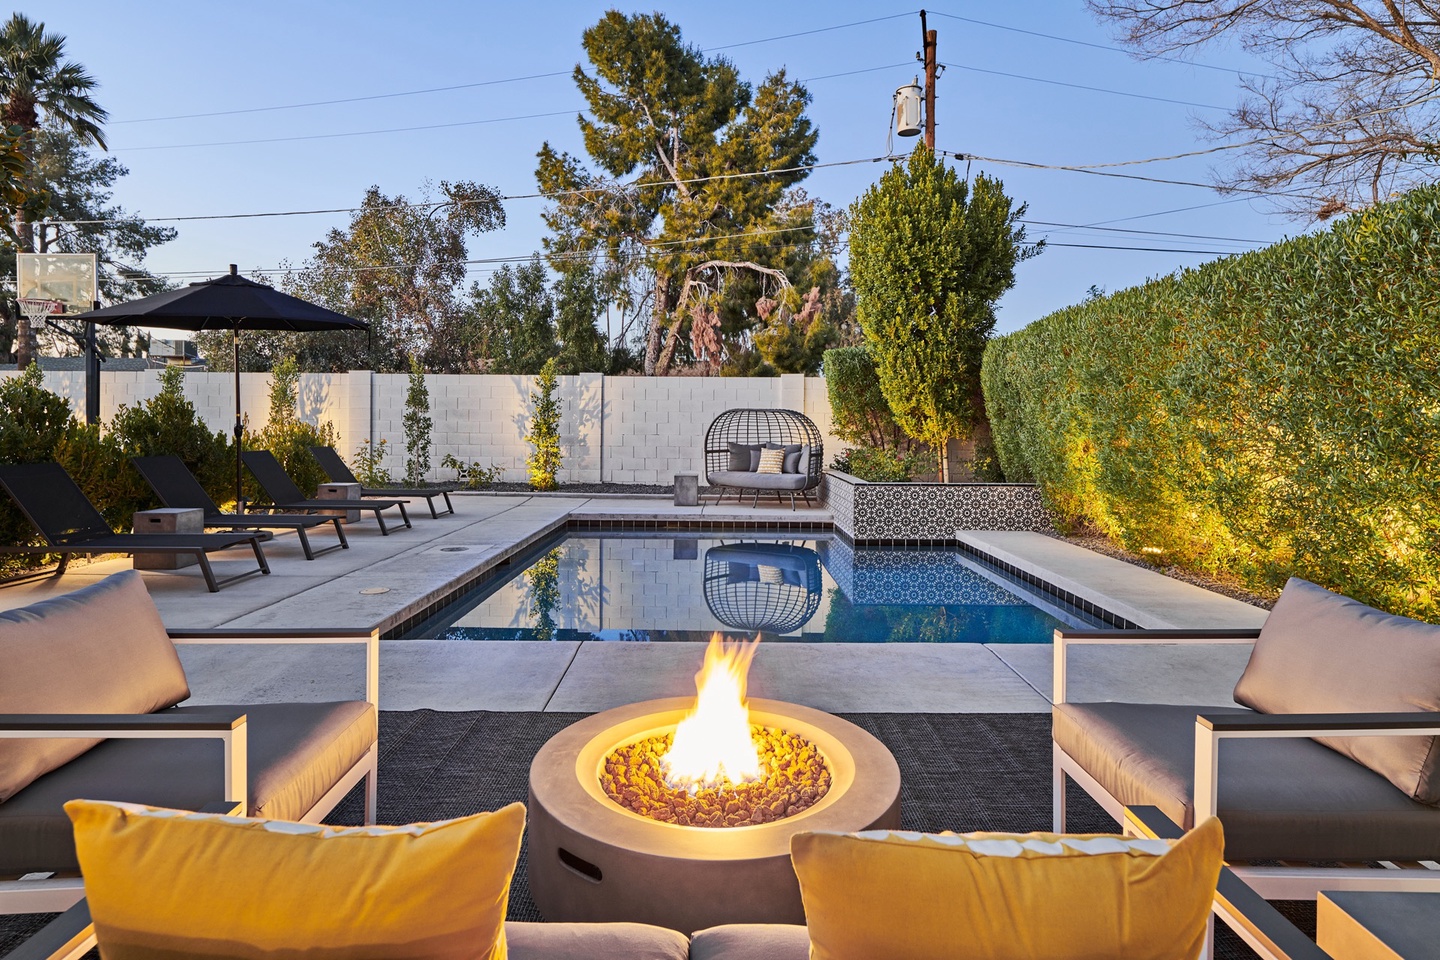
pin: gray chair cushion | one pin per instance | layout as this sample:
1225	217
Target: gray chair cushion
758	481
751	941
593	941
744	457
1279	799
1320	652
100	649
298	751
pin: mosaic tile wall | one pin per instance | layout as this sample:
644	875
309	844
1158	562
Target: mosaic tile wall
931	512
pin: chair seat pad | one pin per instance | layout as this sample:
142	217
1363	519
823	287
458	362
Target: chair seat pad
298	751
593	941
757	481
751	941
1283	799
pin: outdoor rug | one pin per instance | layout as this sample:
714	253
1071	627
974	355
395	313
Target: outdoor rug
960	772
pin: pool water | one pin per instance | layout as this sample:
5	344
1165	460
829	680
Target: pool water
819	589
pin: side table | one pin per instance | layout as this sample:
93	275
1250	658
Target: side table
340	491
167	520
687	489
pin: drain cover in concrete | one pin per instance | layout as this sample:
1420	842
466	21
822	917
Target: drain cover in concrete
374	591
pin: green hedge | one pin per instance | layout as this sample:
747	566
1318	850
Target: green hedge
1270	414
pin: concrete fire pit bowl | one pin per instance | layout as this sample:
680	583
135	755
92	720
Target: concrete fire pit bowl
591	860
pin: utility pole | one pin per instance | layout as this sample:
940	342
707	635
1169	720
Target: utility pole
930	72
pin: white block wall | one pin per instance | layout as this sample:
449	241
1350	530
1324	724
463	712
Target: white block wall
616	429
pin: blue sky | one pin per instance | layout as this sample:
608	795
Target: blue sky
176	59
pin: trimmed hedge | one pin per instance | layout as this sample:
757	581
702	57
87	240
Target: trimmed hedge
1270	414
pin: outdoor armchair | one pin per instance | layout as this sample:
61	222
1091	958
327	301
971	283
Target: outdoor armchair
338	472
176	486
69	523
91	707
1318	796
285	495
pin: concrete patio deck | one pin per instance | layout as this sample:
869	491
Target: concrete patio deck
438	557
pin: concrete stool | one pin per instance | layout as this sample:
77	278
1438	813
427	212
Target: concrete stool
340	491
687	489
167	520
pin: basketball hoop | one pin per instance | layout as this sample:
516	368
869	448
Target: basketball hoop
36	309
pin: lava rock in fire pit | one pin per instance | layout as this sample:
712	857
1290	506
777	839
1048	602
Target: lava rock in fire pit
796	777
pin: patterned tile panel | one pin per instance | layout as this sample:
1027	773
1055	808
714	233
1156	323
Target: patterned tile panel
932	511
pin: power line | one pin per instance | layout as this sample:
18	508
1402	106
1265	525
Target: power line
1081	86
491	83
1103	46
327	103
352	133
1102	246
1155	233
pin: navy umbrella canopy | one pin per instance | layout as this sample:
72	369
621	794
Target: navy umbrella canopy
231	303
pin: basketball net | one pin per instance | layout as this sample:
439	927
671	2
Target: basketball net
36	309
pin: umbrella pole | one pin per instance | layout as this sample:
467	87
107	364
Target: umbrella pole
239	429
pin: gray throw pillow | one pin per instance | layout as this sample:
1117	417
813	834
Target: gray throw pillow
1320	652
744	457
99	649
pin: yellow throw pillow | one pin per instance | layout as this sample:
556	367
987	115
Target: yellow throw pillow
772	461
992	896
167	884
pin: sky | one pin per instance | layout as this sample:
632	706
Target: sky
219	109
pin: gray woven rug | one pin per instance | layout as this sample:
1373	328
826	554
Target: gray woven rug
960	772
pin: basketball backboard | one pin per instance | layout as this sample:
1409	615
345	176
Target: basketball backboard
69	278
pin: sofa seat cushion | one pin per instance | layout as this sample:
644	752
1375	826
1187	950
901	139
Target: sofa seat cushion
751	941
758	481
1279	799
1320	652
594	941
298	751
99	649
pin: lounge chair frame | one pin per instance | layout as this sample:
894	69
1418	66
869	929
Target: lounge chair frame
759	425
339	472
1286	881
53	894
286	496
91	534
176	486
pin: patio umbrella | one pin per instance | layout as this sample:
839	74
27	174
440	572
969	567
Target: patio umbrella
229	303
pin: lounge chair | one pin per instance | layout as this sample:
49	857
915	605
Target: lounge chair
285	495
98	665
69	524
1306	787
176	486
338	472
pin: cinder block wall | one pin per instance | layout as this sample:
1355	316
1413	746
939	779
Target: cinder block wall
615	429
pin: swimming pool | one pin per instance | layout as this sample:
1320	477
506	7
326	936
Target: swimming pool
815	589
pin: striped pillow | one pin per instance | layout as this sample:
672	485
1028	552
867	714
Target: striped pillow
772	461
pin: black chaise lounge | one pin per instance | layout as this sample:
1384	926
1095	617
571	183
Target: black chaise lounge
285	495
176	486
338	472
69	523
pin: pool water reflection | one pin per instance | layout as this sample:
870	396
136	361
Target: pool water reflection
821	589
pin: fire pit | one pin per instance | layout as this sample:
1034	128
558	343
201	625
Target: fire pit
593	857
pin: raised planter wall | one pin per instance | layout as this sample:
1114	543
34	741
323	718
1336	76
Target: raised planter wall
930	512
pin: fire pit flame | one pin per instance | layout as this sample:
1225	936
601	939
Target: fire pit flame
713	745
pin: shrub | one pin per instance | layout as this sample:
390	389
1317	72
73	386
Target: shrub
288	437
33	422
879	465
369	463
544	435
859	413
473	475
1269	414
167	424
417	426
